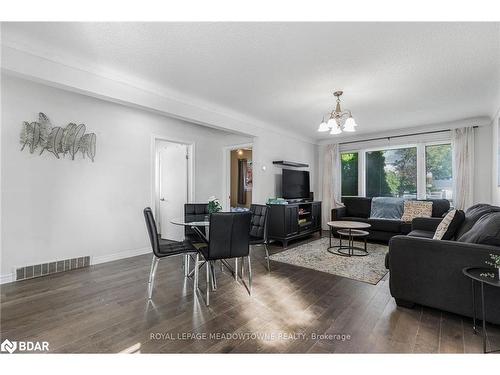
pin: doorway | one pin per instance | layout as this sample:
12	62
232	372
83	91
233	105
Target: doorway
241	178
172	186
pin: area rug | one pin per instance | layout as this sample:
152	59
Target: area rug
369	269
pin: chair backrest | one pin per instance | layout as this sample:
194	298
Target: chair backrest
194	212
258	226
229	235
152	231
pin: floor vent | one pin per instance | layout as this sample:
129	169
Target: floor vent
44	269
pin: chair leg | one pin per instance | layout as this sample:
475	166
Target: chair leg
207	267
196	271
249	275
267	257
214	280
186	265
242	268
236	269
152	272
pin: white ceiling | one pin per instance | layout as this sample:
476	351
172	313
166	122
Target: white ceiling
394	75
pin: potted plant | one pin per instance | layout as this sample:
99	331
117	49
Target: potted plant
214	205
495	262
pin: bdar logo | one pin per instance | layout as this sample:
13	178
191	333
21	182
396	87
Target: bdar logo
8	346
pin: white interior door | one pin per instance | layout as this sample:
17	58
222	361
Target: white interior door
173	188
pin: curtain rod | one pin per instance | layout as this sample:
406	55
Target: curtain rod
400	136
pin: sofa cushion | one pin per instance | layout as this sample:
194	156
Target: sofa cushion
413	209
439	207
357	206
421	233
472	214
385	225
386	208
485	231
449	225
405	227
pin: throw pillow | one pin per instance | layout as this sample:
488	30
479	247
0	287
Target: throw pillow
449	225
387	208
413	209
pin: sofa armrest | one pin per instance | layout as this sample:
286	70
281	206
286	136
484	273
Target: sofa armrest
429	224
338	213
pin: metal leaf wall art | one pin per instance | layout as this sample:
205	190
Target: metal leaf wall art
57	140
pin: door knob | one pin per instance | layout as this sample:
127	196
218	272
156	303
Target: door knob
162	199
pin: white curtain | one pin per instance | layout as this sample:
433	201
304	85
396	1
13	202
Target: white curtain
331	182
462	141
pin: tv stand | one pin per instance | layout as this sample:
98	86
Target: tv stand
298	200
293	221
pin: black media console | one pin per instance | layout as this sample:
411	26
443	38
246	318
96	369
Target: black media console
294	220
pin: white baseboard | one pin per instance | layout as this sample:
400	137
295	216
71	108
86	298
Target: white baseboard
8	278
121	255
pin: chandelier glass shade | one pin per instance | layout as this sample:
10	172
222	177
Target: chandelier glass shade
323	127
338	120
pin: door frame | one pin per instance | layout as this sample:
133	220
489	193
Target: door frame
226	172
155	173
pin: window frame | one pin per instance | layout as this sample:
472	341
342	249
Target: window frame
421	163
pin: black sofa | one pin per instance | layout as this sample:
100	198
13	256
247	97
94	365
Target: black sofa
359	209
429	272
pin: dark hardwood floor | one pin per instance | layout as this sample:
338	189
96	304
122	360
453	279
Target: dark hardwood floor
105	309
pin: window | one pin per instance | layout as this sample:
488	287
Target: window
349	167
438	171
391	173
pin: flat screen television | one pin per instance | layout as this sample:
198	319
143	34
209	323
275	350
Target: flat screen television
295	184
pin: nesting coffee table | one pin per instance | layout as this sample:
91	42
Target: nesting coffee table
351	230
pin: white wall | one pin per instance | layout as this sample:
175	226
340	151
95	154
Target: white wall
272	146
495	154
56	209
482	157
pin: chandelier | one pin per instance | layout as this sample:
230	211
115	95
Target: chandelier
338	120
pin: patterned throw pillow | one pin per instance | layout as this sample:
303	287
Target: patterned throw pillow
449	225
413	209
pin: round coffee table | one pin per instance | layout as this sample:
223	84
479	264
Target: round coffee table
351	230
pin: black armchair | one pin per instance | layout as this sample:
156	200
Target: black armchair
258	228
162	250
228	239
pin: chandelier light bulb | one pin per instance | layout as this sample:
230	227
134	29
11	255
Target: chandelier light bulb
350	122
349	125
323	127
336	130
332	123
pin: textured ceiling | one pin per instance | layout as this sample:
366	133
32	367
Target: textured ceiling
394	75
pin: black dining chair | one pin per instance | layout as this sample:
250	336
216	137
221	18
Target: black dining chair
228	239
194	212
258	228
163	250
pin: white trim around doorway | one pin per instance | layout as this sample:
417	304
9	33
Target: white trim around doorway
226	172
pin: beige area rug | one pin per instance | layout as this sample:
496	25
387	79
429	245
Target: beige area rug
369	269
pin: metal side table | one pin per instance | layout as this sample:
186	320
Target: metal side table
474	273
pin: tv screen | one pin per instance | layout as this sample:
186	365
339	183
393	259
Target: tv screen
295	184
